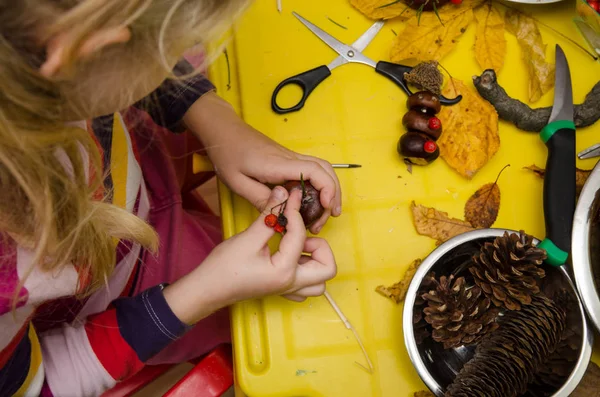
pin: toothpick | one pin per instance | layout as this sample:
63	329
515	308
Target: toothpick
279	8
351	328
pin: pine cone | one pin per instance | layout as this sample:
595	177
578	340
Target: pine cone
422	330
506	360
458	315
508	270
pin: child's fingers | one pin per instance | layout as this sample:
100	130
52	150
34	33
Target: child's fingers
310	291
259	232
320	251
336	203
292	243
312	171
294	297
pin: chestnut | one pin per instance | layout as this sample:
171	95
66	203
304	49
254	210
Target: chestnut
425	102
417	121
310	207
418	148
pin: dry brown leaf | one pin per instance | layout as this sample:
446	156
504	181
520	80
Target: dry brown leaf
590	383
580	175
541	73
490	44
424	393
470	135
426	39
397	292
437	224
481	210
384	9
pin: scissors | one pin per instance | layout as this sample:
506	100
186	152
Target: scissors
591	152
559	180
309	80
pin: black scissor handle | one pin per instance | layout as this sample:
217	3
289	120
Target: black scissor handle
395	72
308	81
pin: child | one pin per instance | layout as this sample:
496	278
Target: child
109	260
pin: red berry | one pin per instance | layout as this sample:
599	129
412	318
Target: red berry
430	146
457	2
595	5
279	228
435	123
271	220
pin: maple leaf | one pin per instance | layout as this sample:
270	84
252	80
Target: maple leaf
481	210
397	292
490	44
470	135
437	224
384	9
581	176
541	73
425	38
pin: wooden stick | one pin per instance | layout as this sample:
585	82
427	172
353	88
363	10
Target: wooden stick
279	7
351	328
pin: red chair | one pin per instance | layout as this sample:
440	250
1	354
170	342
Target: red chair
211	376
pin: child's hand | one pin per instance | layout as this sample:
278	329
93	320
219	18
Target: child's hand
243	268
246	160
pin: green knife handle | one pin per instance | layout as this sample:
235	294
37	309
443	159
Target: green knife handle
559	190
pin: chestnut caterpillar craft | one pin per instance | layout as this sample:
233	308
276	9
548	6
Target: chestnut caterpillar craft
417	145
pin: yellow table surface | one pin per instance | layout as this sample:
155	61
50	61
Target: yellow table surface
289	349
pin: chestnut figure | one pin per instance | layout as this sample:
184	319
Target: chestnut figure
418	148
310	208
426	5
417	121
425	102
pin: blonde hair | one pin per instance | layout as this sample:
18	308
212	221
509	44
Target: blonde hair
48	205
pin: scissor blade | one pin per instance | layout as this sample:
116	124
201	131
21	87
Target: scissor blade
328	39
365	39
563	90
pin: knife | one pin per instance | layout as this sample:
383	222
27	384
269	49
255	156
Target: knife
559	180
590	35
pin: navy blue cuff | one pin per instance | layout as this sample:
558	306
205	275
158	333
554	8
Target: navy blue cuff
171	100
147	323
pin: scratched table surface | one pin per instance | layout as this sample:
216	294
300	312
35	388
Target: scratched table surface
289	349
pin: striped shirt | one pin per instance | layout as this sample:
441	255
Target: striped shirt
54	344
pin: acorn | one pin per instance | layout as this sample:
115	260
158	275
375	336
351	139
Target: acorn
310	207
424	102
417	148
428	125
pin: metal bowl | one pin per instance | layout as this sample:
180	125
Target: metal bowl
438	367
586	246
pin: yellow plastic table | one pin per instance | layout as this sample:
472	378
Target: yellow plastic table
289	349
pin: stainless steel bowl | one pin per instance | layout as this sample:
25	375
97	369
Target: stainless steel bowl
438	367
586	246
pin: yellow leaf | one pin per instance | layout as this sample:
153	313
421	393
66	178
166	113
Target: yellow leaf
490	44
470	135
437	224
427	39
541	73
397	292
384	9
